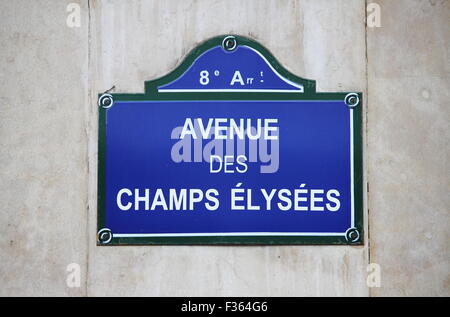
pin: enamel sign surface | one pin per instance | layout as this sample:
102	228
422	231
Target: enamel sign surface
230	148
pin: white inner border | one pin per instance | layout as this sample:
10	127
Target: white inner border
299	90
235	234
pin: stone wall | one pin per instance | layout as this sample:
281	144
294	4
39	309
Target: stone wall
50	77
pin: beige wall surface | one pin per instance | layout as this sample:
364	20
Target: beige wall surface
408	147
43	154
51	74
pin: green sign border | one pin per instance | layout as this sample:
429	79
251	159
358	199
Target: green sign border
354	236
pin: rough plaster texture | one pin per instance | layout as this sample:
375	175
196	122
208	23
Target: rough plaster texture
409	150
43	156
50	77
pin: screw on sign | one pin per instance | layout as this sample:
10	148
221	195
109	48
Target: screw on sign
352	100
105	236
229	43
105	101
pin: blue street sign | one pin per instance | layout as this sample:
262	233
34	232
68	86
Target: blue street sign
230	148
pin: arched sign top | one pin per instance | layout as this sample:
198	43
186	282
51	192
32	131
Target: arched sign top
243	69
230	64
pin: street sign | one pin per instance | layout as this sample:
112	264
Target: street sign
230	148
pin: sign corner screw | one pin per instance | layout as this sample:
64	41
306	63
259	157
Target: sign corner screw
105	101
352	235
351	100
104	236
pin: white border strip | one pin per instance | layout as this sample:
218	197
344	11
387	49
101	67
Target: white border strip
352	172
220	234
229	90
250	234
287	81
